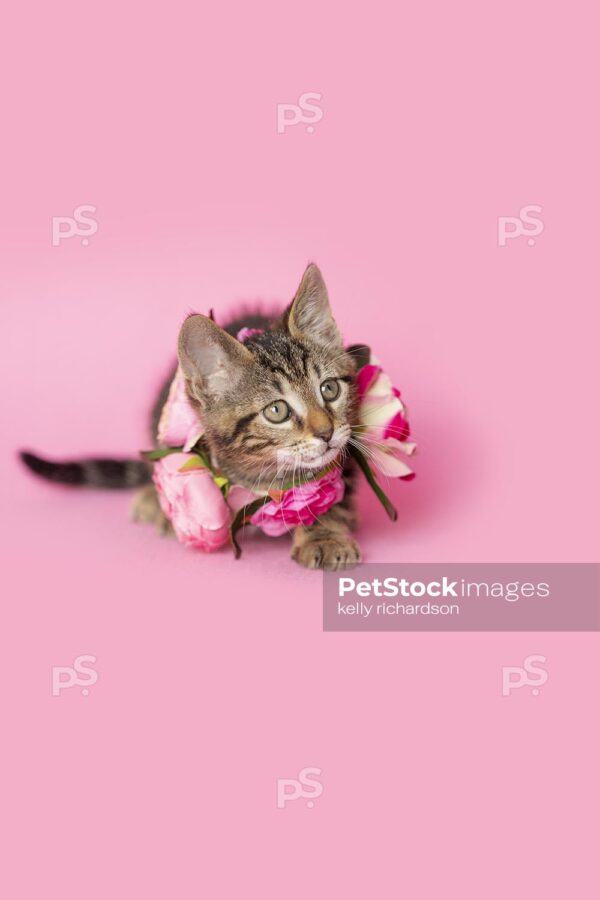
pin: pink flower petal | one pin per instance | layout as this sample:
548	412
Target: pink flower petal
365	378
239	496
301	505
398	428
379	411
192	502
389	463
383	416
245	333
179	422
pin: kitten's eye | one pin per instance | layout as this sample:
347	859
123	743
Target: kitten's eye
277	412
330	389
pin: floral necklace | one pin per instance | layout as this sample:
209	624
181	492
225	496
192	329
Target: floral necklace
207	510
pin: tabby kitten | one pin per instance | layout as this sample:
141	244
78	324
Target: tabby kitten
274	407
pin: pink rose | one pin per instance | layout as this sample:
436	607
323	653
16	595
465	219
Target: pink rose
179	425
192	502
382	419
301	505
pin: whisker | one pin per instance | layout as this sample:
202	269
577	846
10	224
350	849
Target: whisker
372	458
393	428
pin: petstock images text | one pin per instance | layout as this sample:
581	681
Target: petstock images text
463	597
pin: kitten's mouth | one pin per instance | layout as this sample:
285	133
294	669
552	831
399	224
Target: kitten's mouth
302	460
320	460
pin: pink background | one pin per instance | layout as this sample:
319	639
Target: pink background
215	678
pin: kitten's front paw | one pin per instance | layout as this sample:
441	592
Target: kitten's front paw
334	552
146	508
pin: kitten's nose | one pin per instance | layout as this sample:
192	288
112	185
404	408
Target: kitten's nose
325	433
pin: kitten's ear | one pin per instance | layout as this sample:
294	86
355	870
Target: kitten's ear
309	315
211	359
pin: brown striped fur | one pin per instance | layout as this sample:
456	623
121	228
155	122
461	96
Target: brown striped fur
231	383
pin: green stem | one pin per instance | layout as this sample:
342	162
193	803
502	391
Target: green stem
160	453
367	472
242	516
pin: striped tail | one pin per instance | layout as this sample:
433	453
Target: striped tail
115	474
